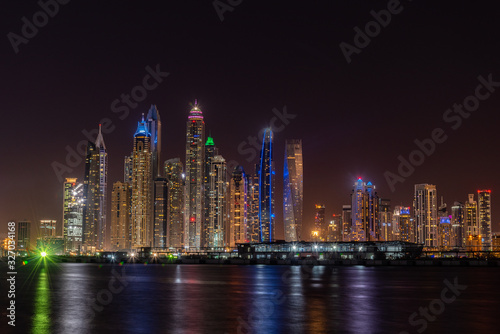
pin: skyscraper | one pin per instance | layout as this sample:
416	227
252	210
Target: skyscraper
237	231
154	128
73	206
120	216
484	217
253	222
175	203
457	225
320	224
335	229
365	224
385	220
266	188
94	195
425	211
128	169
142	214
160	212
293	193
471	226
213	229
47	228
195	158
23	235
346	222
445	232
404	224
208	191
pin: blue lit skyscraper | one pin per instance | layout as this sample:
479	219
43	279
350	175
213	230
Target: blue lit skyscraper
154	127
266	188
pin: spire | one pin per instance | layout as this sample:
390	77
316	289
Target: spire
143	117
142	129
210	141
195	113
99	142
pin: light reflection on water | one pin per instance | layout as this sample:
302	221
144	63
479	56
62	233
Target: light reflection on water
256	299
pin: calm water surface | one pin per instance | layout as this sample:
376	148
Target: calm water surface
89	298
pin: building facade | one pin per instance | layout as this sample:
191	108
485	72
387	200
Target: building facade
293	190
266	188
175	203
194	189
121	228
425	213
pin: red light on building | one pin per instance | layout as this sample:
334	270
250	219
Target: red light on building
192	219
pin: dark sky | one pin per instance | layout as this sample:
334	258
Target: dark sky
355	119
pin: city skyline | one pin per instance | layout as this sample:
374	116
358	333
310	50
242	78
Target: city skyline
330	113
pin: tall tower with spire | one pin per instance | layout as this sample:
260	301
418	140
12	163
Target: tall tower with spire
94	189
293	190
154	127
194	192
142	187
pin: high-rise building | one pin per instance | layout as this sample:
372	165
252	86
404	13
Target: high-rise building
160	229
128	169
320	224
23	235
175	204
195	158
365	224
142	214
216	206
266	188
346	222
385	220
484	217
94	195
253	222
210	152
73	206
457	225
471	226
335	229
47	228
237	231
425	212
120	216
404	224
445	232
154	128
293	190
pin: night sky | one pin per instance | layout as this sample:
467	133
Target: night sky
355	118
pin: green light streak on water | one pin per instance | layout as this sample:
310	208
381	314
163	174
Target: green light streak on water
41	317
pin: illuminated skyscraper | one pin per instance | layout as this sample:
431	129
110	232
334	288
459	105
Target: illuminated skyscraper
23	235
457	225
365	224
404	224
471	226
425	211
484	217
253	222
195	158
160	212
237	231
128	169
94	195
120	216
48	228
142	214
335	229
210	152
385	220
320	224
445	232
175	204
213	229
346	222
266	188
293	190
154	128
73	206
